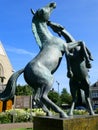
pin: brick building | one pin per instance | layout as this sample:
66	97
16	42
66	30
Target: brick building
6	69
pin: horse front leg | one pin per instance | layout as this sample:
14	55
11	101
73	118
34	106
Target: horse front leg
86	54
69	71
85	51
70	46
73	91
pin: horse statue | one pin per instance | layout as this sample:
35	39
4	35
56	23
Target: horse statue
80	67
80	79
38	73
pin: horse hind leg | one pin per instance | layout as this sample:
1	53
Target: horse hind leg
90	109
38	101
89	106
45	109
71	109
48	102
87	98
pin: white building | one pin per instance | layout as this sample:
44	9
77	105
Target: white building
6	69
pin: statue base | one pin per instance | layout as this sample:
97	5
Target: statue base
71	123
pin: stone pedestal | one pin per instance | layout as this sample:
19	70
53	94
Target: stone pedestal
72	123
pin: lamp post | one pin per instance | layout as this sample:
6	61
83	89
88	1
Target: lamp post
58	85
58	93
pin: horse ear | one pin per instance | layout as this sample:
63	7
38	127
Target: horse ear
41	12
33	12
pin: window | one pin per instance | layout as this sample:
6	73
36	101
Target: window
95	94
1	73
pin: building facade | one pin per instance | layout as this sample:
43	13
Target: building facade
94	94
6	69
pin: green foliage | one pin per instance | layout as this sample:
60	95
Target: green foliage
22	129
23	90
25	115
78	112
65	97
54	96
20	115
5	118
96	111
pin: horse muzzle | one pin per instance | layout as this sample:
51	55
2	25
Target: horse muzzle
52	5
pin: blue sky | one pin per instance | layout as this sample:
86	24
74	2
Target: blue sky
79	17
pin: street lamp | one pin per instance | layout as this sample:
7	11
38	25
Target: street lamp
58	85
58	93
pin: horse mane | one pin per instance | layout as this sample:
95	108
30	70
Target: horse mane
34	30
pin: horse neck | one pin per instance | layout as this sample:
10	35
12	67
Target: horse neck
42	33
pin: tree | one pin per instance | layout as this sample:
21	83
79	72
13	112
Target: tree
23	90
65	97
54	96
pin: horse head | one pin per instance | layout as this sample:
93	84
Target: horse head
43	14
39	23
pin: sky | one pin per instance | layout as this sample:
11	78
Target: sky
79	17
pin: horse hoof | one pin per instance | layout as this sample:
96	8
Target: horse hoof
49	114
92	113
63	116
70	114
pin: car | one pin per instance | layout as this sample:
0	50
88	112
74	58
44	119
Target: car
80	108
95	107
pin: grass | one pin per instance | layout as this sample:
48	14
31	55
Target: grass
23	129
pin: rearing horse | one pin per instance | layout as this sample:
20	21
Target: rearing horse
38	73
80	58
80	63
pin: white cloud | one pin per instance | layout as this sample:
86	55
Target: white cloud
19	51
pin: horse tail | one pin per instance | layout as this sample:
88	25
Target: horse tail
9	91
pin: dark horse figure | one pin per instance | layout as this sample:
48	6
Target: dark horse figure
38	73
79	66
80	79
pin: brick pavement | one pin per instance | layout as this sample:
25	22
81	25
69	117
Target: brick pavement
16	125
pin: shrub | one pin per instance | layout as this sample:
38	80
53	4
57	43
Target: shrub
96	110
20	115
5	118
25	115
78	112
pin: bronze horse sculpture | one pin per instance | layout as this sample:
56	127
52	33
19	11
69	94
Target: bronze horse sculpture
80	80
38	73
79	66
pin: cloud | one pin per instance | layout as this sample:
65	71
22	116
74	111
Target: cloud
19	51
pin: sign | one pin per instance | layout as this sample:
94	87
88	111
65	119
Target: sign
23	102
9	105
1	105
